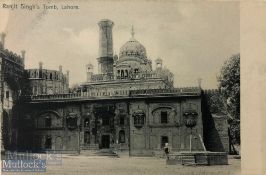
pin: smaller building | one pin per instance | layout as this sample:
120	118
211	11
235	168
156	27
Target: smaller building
44	81
11	86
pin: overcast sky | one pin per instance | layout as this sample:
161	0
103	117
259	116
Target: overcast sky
192	38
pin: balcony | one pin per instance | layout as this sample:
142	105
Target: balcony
167	92
188	91
132	76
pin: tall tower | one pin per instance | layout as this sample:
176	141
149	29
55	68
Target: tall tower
23	52
105	60
89	72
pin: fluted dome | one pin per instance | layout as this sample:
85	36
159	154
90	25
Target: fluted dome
133	48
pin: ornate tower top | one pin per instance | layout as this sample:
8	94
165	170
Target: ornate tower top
132	31
159	63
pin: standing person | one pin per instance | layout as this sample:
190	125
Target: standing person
166	150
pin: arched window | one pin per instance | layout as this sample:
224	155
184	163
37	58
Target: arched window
72	121
122	136
164	118
35	90
122	73
126	73
139	118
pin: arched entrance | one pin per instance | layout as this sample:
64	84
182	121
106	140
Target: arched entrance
105	141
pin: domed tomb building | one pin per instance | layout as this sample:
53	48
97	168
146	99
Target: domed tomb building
131	70
127	107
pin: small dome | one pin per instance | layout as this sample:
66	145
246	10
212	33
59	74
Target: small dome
133	48
115	57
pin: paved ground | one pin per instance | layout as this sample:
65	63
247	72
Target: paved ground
81	165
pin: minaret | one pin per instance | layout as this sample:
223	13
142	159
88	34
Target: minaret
89	72
40	65
132	31
23	52
60	68
67	79
105	59
40	70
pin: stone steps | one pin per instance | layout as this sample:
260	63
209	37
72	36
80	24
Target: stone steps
91	147
99	152
188	160
198	158
201	160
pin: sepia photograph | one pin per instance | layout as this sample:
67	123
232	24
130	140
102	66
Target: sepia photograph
120	87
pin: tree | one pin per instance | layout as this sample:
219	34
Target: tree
229	86
215	102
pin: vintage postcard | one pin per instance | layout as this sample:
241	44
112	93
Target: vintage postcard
120	87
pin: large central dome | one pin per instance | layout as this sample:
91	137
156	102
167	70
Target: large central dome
133	48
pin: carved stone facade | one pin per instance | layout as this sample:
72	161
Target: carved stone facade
140	123
89	125
164	122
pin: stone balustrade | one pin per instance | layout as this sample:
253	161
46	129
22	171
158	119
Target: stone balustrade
116	93
110	77
183	91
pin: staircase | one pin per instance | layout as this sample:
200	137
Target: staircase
99	152
106	152
188	160
201	160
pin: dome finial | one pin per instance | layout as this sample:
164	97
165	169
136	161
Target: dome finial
132	31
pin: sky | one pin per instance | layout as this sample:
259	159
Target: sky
193	38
